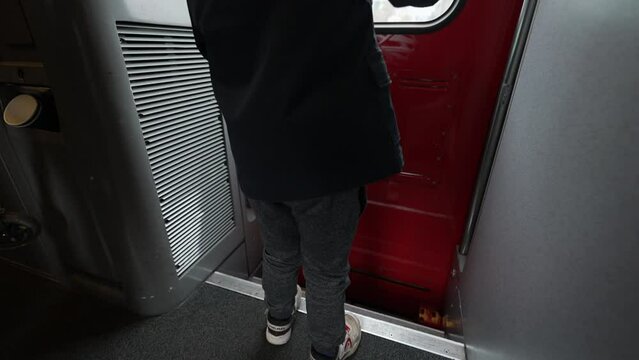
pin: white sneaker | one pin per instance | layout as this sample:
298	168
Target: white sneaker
351	340
281	334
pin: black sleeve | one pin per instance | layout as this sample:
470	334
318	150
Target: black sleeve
196	10
417	3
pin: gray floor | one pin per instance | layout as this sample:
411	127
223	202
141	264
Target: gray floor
43	321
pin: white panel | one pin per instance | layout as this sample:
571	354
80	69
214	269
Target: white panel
182	128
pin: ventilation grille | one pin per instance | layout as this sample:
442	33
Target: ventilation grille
182	129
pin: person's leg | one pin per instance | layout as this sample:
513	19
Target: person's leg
281	257
327	226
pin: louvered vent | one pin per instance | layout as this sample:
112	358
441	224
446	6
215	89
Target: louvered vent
182	129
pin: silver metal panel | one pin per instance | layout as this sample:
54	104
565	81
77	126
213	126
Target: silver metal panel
453	318
236	264
384	326
254	245
36	179
553	270
499	116
106	148
188	155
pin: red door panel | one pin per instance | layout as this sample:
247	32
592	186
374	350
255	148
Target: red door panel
445	86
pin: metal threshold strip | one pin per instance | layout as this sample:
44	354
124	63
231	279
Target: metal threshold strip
377	324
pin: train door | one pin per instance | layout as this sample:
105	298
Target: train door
446	63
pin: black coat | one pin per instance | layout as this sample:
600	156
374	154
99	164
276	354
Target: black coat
304	91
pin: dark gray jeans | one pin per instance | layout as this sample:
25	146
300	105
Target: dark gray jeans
316	234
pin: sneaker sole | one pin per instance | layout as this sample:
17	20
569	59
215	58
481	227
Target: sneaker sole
354	350
356	346
278	340
283	339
